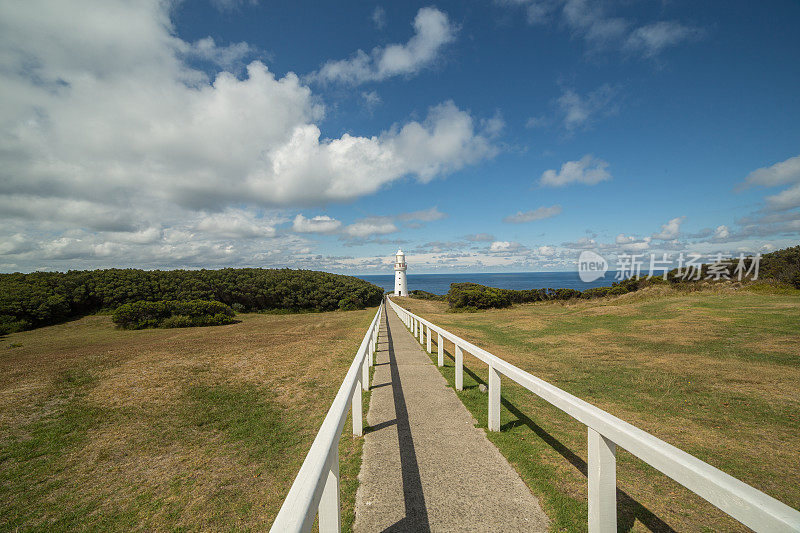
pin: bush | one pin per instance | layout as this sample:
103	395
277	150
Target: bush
172	314
425	295
350	303
595	292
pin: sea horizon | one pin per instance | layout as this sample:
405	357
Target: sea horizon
440	283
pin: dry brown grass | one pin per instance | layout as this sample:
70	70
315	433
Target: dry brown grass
143	444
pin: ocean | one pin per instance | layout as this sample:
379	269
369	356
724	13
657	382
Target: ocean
440	283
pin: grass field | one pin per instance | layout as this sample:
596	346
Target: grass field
178	429
716	373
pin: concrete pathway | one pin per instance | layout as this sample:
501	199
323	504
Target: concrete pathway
426	467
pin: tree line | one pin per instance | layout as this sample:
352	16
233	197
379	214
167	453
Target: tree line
42	298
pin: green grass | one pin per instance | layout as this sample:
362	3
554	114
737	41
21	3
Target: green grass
715	373
201	429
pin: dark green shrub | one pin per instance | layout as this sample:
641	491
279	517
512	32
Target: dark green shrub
463	295
595	292
172	314
349	303
177	321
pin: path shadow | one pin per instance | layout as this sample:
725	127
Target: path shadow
628	509
376	427
416	518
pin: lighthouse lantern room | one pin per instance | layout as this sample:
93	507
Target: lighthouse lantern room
400	284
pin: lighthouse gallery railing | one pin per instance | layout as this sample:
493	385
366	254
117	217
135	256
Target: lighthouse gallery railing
746	504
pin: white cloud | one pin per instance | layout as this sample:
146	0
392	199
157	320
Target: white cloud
670	230
228	57
235	224
504	246
371	226
317	224
432	31
651	39
587	170
782	173
722	232
582	111
546	251
588	21
787	199
778	174
536	214
630	243
105	127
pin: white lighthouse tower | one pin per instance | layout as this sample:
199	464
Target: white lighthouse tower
400	284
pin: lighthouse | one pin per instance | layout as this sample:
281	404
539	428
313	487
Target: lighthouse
400	285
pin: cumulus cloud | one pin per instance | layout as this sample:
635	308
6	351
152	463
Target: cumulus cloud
546	251
670	230
504	247
587	170
317	224
106	126
432	31
722	232
539	213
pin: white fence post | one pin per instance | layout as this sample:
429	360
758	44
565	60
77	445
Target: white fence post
494	399
421	332
373	346
429	339
440	349
355	408
330	518
365	374
459	368
602	484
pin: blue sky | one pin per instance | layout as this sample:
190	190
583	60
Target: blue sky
476	135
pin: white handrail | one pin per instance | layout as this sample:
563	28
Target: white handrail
316	488
746	504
